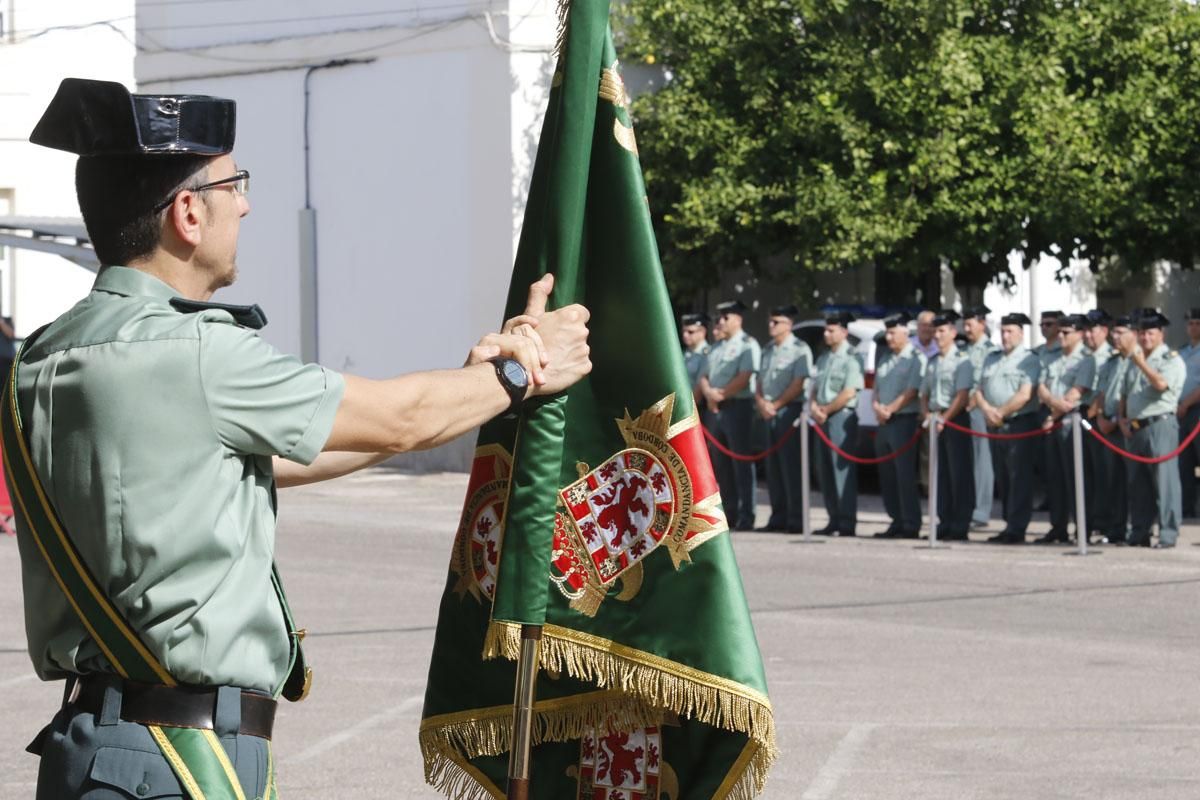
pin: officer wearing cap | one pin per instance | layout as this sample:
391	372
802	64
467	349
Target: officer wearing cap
695	345
727	382
978	348
1005	397
1059	392
155	425
1112	471
1153	382
1189	412
898	377
1097	352
833	402
787	363
945	392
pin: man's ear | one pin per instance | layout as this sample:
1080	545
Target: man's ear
186	217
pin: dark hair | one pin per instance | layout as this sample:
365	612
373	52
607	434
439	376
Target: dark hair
117	196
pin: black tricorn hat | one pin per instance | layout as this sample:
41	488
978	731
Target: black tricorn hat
790	311
1192	314
1075	322
976	312
899	320
101	118
1150	318
694	319
1015	318
731	307
843	318
1098	316
947	316
1051	315
1122	322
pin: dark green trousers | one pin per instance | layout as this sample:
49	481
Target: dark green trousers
839	476
898	477
1154	489
1012	463
89	756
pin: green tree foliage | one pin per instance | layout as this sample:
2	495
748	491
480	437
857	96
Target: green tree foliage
830	133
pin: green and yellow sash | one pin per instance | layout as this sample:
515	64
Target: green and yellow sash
196	756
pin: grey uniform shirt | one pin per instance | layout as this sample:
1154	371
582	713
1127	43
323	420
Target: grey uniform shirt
1143	400
1191	360
978	352
1062	374
837	369
782	364
153	432
693	361
1004	374
945	377
896	373
728	357
1088	376
1112	382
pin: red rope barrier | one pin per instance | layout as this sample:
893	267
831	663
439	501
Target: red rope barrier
738	456
868	461
1142	459
1001	436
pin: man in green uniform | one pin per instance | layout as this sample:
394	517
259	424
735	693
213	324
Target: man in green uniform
695	345
727	382
978	348
832	405
1058	389
1097	352
1113	472
1005	397
1153	381
945	392
158	425
1189	412
787	363
898	377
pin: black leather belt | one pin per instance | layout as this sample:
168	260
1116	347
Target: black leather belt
1145	422
176	707
1022	415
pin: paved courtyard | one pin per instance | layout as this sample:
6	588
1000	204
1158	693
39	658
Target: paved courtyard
975	671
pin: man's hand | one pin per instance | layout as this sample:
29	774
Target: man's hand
993	417
818	413
1126	429
766	409
1106	425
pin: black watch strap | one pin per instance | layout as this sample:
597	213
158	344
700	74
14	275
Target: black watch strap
514	379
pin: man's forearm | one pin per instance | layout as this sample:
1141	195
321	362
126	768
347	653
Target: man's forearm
839	402
739	382
327	466
416	411
957	405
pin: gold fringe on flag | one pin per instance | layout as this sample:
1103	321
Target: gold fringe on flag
660	683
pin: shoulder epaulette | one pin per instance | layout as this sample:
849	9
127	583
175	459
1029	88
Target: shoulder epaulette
246	316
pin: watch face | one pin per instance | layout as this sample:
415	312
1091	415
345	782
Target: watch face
515	373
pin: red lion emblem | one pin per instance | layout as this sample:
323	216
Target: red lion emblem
623	759
622	502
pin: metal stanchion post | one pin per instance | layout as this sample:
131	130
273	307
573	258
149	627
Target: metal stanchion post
933	483
1081	528
806	478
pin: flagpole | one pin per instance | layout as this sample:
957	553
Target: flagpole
522	731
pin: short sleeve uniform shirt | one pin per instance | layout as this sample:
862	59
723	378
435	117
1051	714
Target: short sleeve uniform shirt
694	360
1004	374
897	373
782	364
945	377
1141	399
728	357
153	432
837	369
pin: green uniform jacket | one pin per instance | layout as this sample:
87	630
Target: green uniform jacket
153	432
1141	399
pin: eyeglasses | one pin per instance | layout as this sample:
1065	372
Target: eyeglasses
778	321
238	181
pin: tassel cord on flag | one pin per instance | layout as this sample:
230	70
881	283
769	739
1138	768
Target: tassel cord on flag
824	437
1183	445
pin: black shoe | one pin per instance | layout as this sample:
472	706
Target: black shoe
1054	537
1007	537
913	534
953	536
828	530
888	534
795	529
770	529
1138	543
840	532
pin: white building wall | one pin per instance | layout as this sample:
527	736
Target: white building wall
43	44
418	163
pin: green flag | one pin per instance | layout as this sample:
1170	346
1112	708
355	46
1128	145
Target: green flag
597	514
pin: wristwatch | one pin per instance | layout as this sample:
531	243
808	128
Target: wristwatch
515	381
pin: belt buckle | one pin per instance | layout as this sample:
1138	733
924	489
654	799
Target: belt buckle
1135	424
